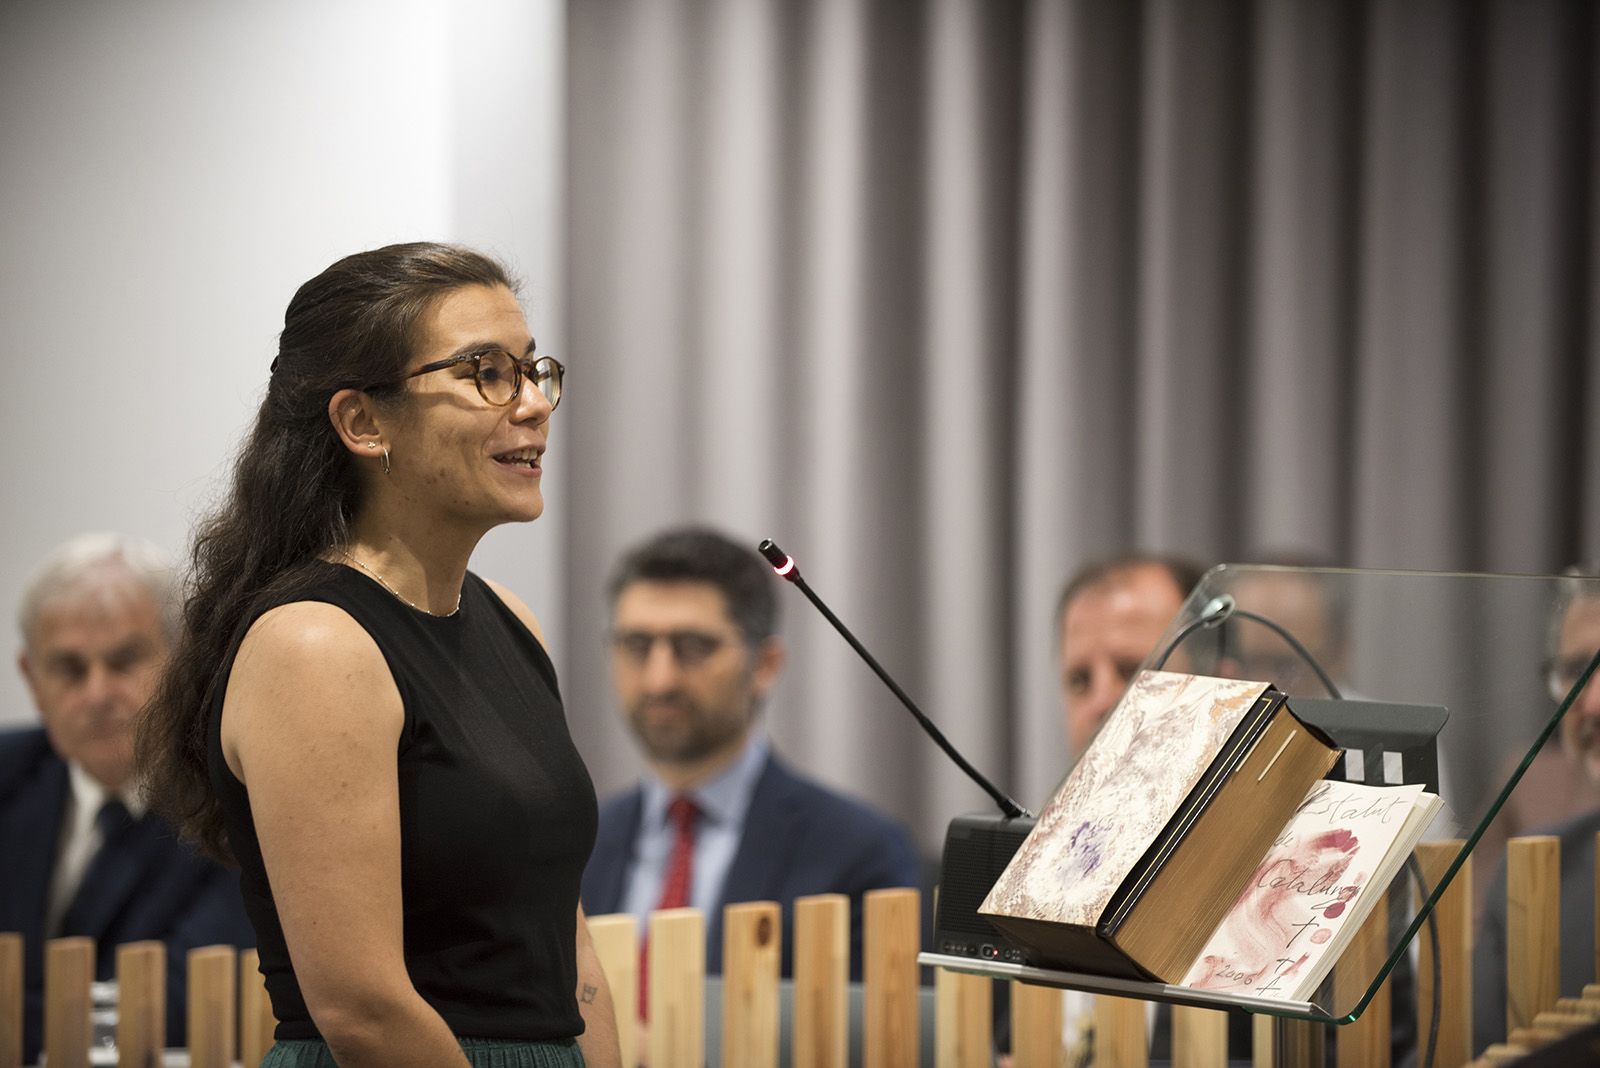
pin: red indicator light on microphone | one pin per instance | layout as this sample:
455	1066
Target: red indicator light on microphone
781	561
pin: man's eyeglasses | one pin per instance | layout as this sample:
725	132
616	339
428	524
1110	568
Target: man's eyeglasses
499	374
689	647
1561	674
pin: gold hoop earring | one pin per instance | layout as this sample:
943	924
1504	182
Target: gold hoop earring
386	459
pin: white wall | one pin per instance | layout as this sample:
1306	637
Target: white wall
171	170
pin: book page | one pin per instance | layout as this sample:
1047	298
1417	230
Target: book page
1312	890
1153	749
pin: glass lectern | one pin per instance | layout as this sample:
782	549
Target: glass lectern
1477	672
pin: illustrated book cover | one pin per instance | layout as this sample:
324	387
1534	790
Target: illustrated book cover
1313	889
1152	836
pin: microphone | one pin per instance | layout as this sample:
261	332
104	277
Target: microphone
784	565
977	846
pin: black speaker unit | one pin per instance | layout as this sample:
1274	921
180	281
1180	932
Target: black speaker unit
977	848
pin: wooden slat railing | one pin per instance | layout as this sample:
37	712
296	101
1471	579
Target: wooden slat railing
821	981
752	944
1365	1043
616	943
893	922
1199	1037
141	1003
226	996
963	1018
68	971
1453	915
256	1022
1120	1039
1533	929
10	1000
213	1001
676	1030
1035	1026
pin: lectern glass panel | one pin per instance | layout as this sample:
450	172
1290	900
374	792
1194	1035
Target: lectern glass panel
1459	682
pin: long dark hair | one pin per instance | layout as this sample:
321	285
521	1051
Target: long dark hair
295	491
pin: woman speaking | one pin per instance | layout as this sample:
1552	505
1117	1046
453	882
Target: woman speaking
371	730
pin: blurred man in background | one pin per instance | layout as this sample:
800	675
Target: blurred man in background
1574	640
1109	618
81	855
719	818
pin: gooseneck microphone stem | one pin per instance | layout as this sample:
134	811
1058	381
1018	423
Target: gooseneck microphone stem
784	565
1223	608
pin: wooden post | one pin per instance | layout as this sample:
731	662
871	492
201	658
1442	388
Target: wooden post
1120	1039
1263	1040
616	943
677	981
256	1022
1199	1037
821	981
1298	1043
752	951
963	1020
1036	1026
68	971
893	924
1453	916
212	998
141	1003
1364	1043
10	1000
1533	928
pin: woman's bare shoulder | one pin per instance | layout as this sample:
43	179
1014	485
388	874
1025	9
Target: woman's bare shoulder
518	608
310	663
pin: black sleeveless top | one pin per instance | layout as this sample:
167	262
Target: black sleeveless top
497	816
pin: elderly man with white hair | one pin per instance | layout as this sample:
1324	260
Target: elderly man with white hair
82	856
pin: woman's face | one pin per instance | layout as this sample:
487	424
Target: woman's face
453	453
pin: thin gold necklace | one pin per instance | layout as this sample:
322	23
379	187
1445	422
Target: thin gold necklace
397	593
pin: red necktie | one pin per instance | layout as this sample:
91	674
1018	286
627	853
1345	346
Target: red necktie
675	886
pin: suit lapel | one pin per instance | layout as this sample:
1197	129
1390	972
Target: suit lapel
756	873
113	877
30	836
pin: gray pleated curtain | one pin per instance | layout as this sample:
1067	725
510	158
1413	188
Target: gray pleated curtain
949	297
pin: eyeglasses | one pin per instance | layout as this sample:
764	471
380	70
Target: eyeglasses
499	374
689	647
1561	674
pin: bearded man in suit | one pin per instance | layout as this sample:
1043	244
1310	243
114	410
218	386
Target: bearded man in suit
719	818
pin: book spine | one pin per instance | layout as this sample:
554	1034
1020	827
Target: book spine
1233	753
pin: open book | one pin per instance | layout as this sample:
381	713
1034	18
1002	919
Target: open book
1310	894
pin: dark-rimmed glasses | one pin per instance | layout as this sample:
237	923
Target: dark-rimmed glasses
689	647
1561	674
499	374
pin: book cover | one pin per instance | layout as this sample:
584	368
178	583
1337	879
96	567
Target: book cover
1313	889
1150	755
1149	840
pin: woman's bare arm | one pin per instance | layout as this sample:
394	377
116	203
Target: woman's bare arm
599	1042
310	724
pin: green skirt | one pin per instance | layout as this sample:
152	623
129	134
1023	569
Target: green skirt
481	1053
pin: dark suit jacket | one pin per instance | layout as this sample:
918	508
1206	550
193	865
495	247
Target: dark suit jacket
799	838
1577	930
143	884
